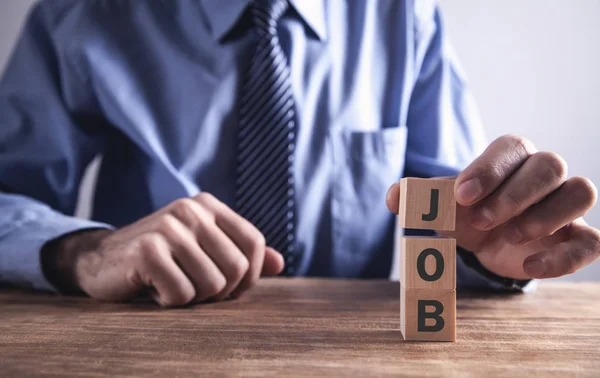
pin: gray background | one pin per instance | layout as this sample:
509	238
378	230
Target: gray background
533	65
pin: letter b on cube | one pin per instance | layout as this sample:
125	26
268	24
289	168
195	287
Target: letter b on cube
428	315
427	288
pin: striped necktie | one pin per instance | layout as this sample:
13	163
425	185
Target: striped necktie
266	136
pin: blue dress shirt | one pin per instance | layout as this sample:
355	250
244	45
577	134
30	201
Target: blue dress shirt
152	87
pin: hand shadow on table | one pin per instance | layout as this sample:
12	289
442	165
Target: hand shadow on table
31	297
144	301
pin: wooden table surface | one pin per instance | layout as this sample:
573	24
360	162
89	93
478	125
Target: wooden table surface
301	327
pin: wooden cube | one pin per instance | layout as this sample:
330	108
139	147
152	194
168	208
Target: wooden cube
427	262
428	315
427	204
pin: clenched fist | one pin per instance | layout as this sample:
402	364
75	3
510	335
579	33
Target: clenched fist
191	250
520	214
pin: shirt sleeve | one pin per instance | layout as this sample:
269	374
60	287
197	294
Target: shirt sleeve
43	148
444	128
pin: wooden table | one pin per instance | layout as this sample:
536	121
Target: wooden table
301	327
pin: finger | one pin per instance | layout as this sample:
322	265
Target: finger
244	234
560	236
565	258
200	214
273	265
497	163
569	202
157	269
199	268
392	198
539	176
227	256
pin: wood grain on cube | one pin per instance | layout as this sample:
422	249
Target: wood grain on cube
418	200
435	304
427	262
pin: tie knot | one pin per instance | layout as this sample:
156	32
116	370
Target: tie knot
266	14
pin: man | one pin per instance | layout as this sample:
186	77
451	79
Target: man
242	139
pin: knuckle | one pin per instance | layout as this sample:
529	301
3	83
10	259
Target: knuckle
513	200
179	297
214	287
538	231
571	262
532	230
258	242
205	198
182	203
594	242
239	268
584	190
182	207
490	175
168	224
552	166
520	144
149	247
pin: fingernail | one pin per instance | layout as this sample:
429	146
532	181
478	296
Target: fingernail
535	268
469	191
513	235
482	218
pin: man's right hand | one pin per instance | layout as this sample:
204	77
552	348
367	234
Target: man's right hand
191	250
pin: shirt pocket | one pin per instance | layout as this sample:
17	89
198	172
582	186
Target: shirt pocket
366	163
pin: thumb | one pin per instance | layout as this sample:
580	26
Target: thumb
273	263
392	198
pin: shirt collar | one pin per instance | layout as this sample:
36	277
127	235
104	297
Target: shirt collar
222	15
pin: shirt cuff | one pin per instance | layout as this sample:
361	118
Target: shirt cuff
20	262
479	277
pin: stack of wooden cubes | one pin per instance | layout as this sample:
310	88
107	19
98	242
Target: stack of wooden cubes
427	264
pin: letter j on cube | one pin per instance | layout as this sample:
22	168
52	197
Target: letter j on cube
427	204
